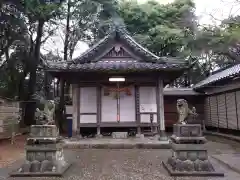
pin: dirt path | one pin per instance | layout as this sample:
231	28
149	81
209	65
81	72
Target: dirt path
10	153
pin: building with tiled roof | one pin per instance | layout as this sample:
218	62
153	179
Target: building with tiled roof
222	99
218	77
100	101
119	83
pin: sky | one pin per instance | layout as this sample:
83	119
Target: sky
208	12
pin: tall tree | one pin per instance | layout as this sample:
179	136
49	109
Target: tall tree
79	21
164	29
37	13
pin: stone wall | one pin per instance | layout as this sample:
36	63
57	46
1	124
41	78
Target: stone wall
9	116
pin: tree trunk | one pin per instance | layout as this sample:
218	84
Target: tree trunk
29	118
66	42
21	97
47	85
61	105
62	82
21	86
57	88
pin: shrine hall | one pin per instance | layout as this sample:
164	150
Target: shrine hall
118	83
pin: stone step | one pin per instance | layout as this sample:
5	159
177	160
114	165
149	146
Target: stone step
116	145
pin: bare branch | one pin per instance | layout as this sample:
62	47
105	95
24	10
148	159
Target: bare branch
50	33
230	12
216	19
61	36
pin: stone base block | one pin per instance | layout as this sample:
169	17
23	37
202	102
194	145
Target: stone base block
187	130
193	140
44	131
141	136
42	140
119	135
44	154
188	147
190	173
44	147
190	155
60	173
157	136
162	136
99	135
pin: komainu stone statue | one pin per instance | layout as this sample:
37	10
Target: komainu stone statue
49	110
44	149
47	115
186	115
189	151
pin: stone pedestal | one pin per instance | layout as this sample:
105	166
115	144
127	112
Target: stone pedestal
140	136
189	152
162	136
120	135
99	136
44	153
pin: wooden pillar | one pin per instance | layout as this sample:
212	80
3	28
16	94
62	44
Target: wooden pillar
217	113
160	110
75	102
78	96
225	95
60	111
236	105
54	89
57	89
46	85
99	110
137	110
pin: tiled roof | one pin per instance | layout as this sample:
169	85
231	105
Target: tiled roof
124	36
224	74
180	91
89	60
113	66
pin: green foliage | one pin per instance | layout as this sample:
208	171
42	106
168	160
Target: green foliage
172	30
40	9
222	42
164	29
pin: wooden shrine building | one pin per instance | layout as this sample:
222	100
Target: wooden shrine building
118	83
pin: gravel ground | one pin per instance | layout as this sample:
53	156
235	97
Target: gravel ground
128	164
133	164
223	145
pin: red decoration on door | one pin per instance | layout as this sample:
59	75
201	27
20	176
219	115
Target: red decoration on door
125	89
128	92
